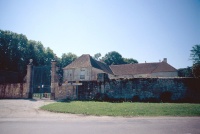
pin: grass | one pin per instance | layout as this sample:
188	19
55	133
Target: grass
127	109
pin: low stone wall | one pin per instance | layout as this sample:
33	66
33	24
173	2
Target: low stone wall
136	89
155	89
13	91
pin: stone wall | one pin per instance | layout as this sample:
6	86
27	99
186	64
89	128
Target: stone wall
13	91
64	91
141	89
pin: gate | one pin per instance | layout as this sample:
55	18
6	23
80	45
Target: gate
41	81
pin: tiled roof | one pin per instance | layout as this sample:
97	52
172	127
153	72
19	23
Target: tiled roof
142	68
125	69
87	61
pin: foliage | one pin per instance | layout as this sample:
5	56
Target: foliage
115	58
185	72
16	50
195	53
13	51
196	70
130	60
68	58
97	56
125	108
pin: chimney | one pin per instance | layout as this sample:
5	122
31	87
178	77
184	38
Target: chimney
165	60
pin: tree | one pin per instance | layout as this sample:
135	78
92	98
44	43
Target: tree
16	50
66	59
13	49
97	56
195	55
49	56
130	60
113	58
185	72
196	70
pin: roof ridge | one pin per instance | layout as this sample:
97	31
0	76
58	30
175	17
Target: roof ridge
137	63
156	67
90	57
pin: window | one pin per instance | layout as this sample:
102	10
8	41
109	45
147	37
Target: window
82	76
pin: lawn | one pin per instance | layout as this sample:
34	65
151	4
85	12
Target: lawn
127	109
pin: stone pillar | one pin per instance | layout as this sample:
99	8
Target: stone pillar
53	79
29	80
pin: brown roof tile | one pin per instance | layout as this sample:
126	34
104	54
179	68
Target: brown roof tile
142	68
125	69
87	61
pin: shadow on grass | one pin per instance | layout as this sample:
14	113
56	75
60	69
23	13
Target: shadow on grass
65	100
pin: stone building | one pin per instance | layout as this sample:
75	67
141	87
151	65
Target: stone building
144	70
85	68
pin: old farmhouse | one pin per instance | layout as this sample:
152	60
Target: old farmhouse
85	68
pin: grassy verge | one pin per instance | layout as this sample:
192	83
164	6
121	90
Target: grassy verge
125	109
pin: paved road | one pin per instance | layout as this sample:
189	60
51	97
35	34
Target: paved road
24	117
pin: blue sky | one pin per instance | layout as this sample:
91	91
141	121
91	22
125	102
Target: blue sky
146	30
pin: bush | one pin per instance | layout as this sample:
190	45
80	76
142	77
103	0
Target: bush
196	70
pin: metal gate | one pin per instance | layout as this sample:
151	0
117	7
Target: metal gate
41	81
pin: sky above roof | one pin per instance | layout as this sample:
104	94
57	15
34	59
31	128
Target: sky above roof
146	30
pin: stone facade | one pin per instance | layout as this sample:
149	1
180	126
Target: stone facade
144	88
81	74
66	91
77	74
13	91
152	75
165	74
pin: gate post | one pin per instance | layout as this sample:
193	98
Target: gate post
29	78
53	79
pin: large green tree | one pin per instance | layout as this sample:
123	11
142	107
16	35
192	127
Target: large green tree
97	56
13	51
68	58
195	55
115	58
130	60
185	72
16	50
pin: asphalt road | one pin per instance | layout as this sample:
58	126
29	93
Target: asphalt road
24	117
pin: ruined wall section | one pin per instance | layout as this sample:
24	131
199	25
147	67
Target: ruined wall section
13	91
